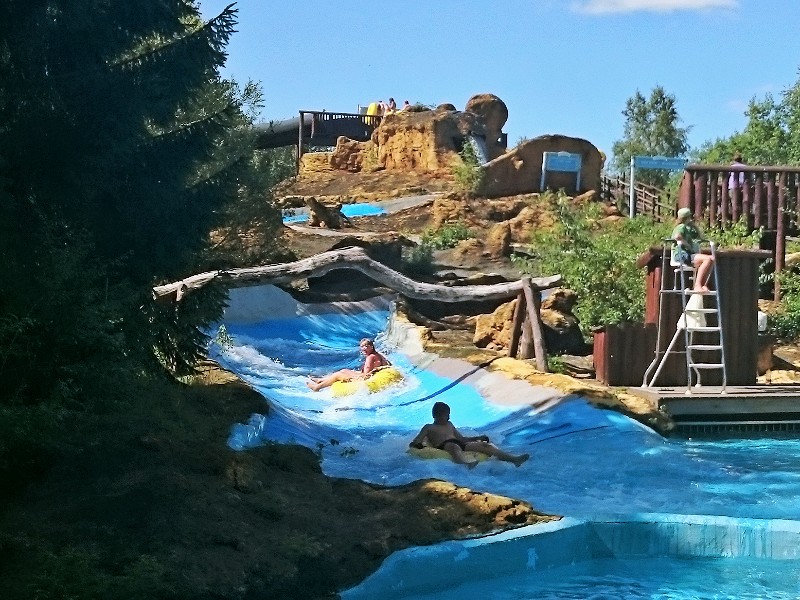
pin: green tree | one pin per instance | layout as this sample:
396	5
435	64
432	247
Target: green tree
651	129
771	136
120	149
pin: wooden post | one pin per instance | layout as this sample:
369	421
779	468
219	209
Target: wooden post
780	236
534	302
300	141
516	325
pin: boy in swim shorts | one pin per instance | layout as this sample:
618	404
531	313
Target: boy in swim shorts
443	435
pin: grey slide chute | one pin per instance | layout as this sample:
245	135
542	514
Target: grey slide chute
319	128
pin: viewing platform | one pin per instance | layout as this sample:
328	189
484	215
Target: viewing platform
739	408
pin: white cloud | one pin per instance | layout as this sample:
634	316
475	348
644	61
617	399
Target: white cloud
599	7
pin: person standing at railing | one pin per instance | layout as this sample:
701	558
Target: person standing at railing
687	249
737	177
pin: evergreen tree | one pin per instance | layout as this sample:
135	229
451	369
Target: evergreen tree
651	129
120	149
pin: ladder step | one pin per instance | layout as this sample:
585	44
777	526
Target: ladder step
704	347
703	329
702	310
695	365
692	293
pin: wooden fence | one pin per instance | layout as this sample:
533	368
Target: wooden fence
649	199
763	196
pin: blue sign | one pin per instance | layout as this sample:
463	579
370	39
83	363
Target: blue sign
668	163
561	161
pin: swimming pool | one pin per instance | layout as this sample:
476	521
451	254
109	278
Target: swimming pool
585	463
300	215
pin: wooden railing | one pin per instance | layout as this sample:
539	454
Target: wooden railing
324	127
763	196
649	199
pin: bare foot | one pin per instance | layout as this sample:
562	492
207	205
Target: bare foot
520	459
313	385
702	288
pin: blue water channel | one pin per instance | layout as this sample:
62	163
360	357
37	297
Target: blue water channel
348	210
585	461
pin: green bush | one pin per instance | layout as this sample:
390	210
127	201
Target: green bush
419	260
597	261
446	236
468	173
786	324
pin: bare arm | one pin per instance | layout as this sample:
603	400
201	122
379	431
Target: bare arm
417	441
470	438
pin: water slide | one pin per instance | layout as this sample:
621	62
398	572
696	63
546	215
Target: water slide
319	129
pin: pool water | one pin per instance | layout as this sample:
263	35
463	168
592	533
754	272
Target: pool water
584	461
645	578
348	210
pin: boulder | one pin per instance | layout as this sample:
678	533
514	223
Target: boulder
562	333
519	171
313	163
320	215
527	221
451	208
494	113
423	142
348	155
493	331
498	242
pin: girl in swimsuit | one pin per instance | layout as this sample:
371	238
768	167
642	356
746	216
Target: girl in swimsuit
373	361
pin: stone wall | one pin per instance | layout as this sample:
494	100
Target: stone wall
519	171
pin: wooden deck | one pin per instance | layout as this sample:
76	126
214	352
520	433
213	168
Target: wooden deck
740	408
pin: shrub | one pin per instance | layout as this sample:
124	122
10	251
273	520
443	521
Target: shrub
597	261
446	236
468	173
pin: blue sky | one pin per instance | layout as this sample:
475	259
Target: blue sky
561	66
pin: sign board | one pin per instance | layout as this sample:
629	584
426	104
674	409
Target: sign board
561	161
668	163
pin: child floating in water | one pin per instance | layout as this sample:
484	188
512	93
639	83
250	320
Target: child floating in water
373	361
443	435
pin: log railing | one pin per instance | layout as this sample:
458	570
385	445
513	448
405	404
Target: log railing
527	336
765	197
649	199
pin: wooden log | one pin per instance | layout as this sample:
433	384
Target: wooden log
516	325
533	299
357	259
780	237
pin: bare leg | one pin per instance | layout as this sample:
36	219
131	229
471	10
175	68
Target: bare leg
316	384
492	450
458	455
703	262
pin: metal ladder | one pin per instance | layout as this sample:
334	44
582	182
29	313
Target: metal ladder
691	321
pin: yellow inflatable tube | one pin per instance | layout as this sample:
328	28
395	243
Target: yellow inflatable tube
430	452
374	383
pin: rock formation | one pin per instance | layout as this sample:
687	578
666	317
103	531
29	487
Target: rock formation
429	142
494	113
562	332
519	171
